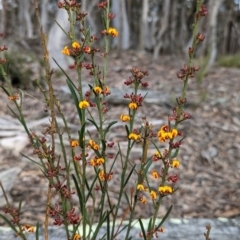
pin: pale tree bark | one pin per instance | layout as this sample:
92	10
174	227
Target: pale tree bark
57	39
144	25
152	28
174	42
126	30
214	9
90	19
24	17
83	5
228	24
3	23
120	22
44	15
164	21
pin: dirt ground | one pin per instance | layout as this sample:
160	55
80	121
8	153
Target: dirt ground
208	183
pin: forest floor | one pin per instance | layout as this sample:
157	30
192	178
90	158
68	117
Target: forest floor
210	165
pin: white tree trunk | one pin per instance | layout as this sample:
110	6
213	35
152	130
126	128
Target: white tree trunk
90	19
120	22
144	25
163	29
213	31
44	15
57	40
24	17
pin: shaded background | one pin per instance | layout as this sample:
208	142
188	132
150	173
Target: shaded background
160	27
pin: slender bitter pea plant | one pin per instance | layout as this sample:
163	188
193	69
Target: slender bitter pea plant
67	175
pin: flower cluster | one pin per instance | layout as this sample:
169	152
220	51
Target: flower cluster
74	143
125	118
187	72
141	187
202	12
57	213
105	176
102	4
69	5
84	104
165	133
93	145
97	161
165	189
134	136
13	97
73	51
111	31
136	100
175	163
28	228
138	75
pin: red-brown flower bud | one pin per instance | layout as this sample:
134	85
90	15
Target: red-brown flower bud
200	37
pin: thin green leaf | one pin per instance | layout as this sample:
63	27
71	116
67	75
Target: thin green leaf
31	159
111	167
155	146
150	225
19	119
9	223
127	198
74	96
61	28
129	175
94	123
147	167
90	86
127	130
91	187
123	228
62	70
102	220
20	206
103	237
81	134
79	194
103	145
104	22
142	228
108	227
80	58
175	153
108	127
37	231
5	90
165	217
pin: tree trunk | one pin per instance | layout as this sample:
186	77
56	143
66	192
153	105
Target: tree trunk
90	19
213	31
24	17
144	23
174	46
164	26
121	23
57	40
3	23
44	15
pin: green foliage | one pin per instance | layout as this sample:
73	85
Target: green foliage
230	61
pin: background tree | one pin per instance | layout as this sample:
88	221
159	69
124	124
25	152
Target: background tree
160	27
